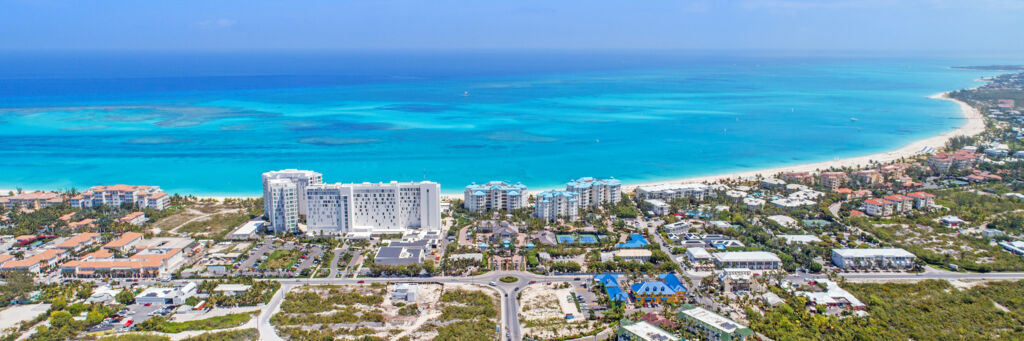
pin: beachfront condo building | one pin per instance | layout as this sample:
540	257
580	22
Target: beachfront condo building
301	178
833	180
596	192
33	200
945	162
280	202
494	195
373	208
868	177
552	205
668	192
117	195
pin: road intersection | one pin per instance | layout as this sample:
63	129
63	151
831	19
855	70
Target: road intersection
508	292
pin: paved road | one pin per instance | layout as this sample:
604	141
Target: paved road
509	303
933	275
267	331
334	262
509	320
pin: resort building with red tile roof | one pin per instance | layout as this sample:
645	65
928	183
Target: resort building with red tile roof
116	195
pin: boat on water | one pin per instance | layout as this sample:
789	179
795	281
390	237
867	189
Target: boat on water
853	119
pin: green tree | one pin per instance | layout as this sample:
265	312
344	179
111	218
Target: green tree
125	297
59	319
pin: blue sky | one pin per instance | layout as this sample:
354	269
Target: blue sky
886	25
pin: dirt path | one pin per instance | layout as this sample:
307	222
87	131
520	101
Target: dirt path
417	324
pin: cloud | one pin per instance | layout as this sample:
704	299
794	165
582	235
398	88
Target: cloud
216	23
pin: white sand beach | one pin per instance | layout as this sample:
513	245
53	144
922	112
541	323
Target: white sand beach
975	124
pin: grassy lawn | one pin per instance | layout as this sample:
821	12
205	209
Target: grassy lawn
280	259
168	223
216	225
161	324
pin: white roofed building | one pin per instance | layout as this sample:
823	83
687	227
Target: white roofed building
711	326
756	260
873	258
674	191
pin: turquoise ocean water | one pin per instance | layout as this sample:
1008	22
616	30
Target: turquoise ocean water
211	123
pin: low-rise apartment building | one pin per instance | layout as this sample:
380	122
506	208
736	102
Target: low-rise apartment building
135	218
116	195
37	262
833	180
873	258
79	242
710	326
667	192
755	260
33	200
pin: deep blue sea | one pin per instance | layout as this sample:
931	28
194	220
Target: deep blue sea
211	123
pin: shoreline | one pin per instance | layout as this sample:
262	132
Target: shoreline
975	124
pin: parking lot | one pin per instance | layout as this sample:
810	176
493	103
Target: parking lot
308	258
137	313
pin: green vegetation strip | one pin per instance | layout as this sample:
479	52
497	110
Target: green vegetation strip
161	324
509	279
928	310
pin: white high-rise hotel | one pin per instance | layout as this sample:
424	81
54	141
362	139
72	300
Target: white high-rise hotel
495	195
595	192
394	207
301	179
280	204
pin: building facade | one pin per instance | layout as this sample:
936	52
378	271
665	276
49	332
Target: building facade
301	179
494	195
140	196
833	180
280	204
873	258
668	192
552	205
711	326
756	260
596	192
378	208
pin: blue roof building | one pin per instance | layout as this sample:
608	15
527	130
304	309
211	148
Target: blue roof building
672	281
595	192
616	295
654	292
551	205
607	280
494	195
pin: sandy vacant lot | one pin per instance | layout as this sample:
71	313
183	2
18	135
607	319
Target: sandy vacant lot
14	315
543	308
